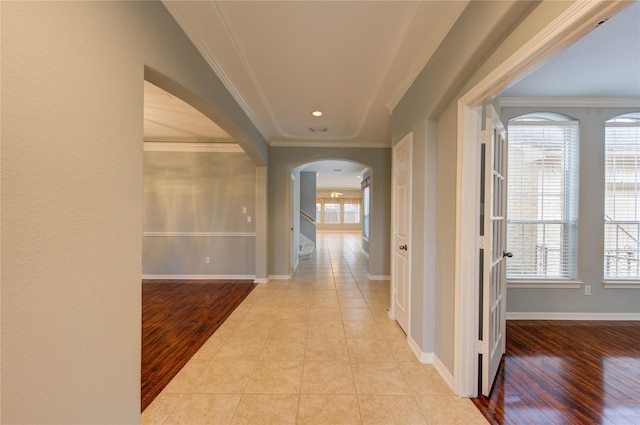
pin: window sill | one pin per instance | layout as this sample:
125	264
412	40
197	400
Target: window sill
621	284
544	284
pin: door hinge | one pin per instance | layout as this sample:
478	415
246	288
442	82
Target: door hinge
480	347
483	134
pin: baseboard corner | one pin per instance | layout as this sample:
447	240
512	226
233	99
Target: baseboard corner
424	358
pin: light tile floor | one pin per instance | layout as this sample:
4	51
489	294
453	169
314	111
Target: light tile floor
316	349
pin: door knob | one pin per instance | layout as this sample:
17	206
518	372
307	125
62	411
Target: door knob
507	254
403	248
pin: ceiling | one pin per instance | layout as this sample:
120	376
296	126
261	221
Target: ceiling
603	64
354	61
342	175
169	119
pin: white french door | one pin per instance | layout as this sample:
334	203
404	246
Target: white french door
494	253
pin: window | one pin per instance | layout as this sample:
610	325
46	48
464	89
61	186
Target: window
351	207
622	198
336	210
331	211
365	211
542	197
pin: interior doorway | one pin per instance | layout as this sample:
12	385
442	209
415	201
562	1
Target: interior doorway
401	227
576	22
328	196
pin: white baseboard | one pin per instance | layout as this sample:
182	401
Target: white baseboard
426	358
199	276
571	316
432	358
279	277
379	277
444	372
261	280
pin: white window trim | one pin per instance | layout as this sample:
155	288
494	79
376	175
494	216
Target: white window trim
620	284
611	282
544	119
544	283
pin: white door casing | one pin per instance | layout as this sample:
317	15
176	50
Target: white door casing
401	241
494	229
575	22
293	256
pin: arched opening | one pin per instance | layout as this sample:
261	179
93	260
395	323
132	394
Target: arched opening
328	196
201	218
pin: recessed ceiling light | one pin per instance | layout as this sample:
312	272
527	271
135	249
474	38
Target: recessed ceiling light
317	113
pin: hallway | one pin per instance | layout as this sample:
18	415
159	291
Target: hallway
316	349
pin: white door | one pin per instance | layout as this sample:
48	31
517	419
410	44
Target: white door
493	232
293	260
401	274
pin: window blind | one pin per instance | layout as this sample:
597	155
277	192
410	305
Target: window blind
351	209
542	199
338	210
331	210
622	200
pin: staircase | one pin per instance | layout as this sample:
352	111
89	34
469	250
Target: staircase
306	248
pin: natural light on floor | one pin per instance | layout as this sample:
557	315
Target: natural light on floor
316	349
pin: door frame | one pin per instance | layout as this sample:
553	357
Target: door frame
407	139
293	229
573	24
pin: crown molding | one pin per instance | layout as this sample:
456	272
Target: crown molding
444	25
327	144
191	140
579	19
192	147
572	102
182	16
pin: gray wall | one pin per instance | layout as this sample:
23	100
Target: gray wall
282	159
484	36
590	228
208	198
308	204
71	222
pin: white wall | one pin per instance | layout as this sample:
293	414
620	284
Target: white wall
72	118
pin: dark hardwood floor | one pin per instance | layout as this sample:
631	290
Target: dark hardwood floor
177	318
567	372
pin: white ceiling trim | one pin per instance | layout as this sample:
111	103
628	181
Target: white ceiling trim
444	25
247	69
187	139
183	17
192	147
404	38
407	20
582	16
328	143
572	102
